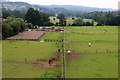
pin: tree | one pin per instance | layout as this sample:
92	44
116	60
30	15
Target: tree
44	19
78	22
17	24
13	26
29	25
32	16
6	30
106	18
16	27
62	19
36	18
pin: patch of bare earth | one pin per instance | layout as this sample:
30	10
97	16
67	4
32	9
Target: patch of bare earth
44	62
67	42
71	56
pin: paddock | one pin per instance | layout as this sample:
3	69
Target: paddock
28	36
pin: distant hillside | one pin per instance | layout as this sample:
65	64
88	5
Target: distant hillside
79	8
68	10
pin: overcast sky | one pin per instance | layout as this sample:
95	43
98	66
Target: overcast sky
90	3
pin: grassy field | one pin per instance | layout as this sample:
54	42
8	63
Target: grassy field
101	60
93	66
70	21
52	35
19	50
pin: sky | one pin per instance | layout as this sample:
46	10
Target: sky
90	3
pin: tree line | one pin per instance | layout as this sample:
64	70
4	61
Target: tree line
106	18
103	18
15	24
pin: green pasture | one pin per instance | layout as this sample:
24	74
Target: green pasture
53	35
70	21
98	61
93	66
19	50
14	70
54	21
31	51
92	34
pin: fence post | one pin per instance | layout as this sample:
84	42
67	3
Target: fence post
107	51
96	50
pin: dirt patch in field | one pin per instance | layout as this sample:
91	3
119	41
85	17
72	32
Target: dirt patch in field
71	56
44	62
41	62
57	58
35	64
67	42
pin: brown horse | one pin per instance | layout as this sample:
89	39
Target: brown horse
51	60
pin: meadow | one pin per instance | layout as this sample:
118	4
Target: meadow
15	52
70	20
98	61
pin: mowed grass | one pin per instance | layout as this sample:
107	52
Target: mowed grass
92	34
101	60
52	35
19	51
93	66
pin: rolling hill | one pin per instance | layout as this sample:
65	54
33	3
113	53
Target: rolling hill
69	10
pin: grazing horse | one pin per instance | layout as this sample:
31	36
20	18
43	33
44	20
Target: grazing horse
51	60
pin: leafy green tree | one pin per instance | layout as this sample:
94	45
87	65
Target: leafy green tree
36	18
62	19
32	16
29	25
13	26
44	19
78	22
6	30
17	24
106	18
16	27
